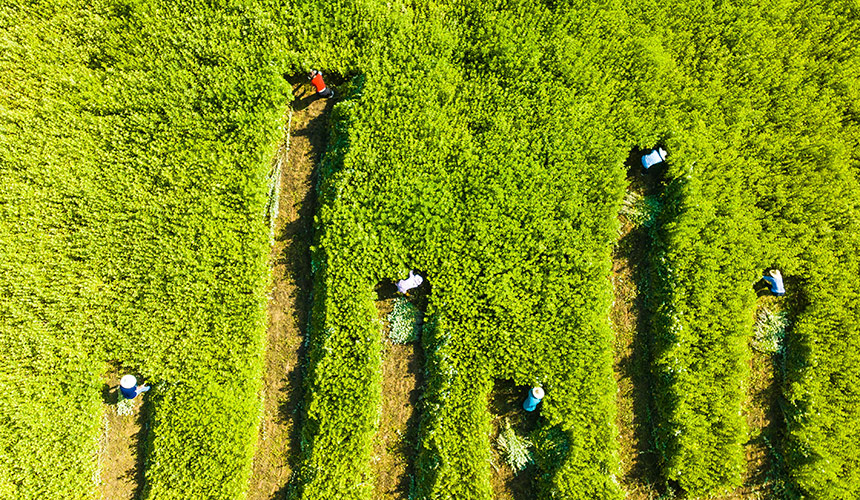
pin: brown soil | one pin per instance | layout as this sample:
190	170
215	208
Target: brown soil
121	453
761	408
289	303
639	474
394	448
505	406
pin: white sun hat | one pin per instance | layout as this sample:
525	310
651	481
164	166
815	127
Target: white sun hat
128	381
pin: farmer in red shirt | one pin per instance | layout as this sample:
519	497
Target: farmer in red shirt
319	84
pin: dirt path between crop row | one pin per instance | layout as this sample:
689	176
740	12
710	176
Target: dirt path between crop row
289	302
121	447
505	406
639	474
394	446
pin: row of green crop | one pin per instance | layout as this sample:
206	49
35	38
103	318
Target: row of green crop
49	387
136	140
700	299
701	302
549	178
811	200
487	163
764	100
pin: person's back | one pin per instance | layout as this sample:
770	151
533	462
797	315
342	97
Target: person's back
653	158
413	281
128	392
319	84
774	280
317	81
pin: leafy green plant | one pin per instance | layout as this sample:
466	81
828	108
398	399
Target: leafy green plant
515	449
405	321
640	210
769	330
743	192
124	407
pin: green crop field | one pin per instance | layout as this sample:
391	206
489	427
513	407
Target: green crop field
487	145
136	140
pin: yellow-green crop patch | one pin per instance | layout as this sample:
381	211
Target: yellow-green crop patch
136	138
481	143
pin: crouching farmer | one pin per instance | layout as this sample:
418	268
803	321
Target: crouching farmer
413	281
653	157
319	84
774	282
129	388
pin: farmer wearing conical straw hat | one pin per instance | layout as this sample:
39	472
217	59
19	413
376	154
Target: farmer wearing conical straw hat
774	282
129	388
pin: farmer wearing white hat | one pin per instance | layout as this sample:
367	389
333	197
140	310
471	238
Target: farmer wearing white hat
129	388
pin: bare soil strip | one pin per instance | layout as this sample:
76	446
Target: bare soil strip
121	453
394	448
505	406
639	474
289	303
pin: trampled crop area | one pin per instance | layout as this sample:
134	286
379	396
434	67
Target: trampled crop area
489	147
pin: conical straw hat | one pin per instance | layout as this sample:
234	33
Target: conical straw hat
128	381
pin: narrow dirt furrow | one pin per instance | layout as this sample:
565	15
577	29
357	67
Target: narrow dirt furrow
505	406
639	475
394	447
289	303
121	448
